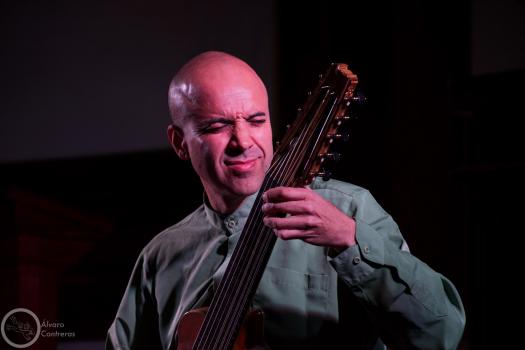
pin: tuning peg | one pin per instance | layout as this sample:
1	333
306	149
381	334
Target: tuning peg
343	118
332	156
359	99
343	137
325	175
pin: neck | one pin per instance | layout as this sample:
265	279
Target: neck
224	204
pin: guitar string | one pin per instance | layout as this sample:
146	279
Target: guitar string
265	237
268	239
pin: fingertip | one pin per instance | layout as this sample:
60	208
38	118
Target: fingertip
265	207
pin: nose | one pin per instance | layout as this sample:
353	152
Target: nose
241	138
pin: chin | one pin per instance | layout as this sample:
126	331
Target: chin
246	187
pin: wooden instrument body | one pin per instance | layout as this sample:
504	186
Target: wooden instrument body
251	334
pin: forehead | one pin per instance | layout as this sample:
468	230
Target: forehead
228	98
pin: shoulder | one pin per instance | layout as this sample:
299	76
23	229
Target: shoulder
337	187
350	198
335	191
178	237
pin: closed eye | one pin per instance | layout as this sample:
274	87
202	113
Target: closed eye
257	118
258	121
213	125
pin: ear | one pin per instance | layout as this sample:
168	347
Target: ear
176	139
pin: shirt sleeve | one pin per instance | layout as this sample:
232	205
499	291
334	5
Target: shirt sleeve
136	323
413	306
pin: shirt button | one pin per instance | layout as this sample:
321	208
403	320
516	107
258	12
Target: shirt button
231	222
356	260
366	249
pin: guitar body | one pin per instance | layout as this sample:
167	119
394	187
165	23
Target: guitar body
251	335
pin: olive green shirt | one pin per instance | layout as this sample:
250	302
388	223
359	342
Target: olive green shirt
372	293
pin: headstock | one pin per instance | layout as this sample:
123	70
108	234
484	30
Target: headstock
305	147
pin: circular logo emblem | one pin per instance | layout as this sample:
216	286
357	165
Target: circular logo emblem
20	328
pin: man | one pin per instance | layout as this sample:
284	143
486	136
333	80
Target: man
340	274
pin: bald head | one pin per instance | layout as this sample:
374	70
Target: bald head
198	82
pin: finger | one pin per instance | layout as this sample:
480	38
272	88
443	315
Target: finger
284	194
295	222
294	234
307	236
291	207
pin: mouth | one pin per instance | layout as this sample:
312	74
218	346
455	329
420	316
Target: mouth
241	166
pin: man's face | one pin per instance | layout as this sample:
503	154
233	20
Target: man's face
228	136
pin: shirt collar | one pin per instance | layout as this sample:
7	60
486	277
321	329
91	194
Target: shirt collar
234	222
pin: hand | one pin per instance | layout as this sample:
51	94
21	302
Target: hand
300	213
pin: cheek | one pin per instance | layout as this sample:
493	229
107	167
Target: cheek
266	141
207	152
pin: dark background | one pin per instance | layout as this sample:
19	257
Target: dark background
87	177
